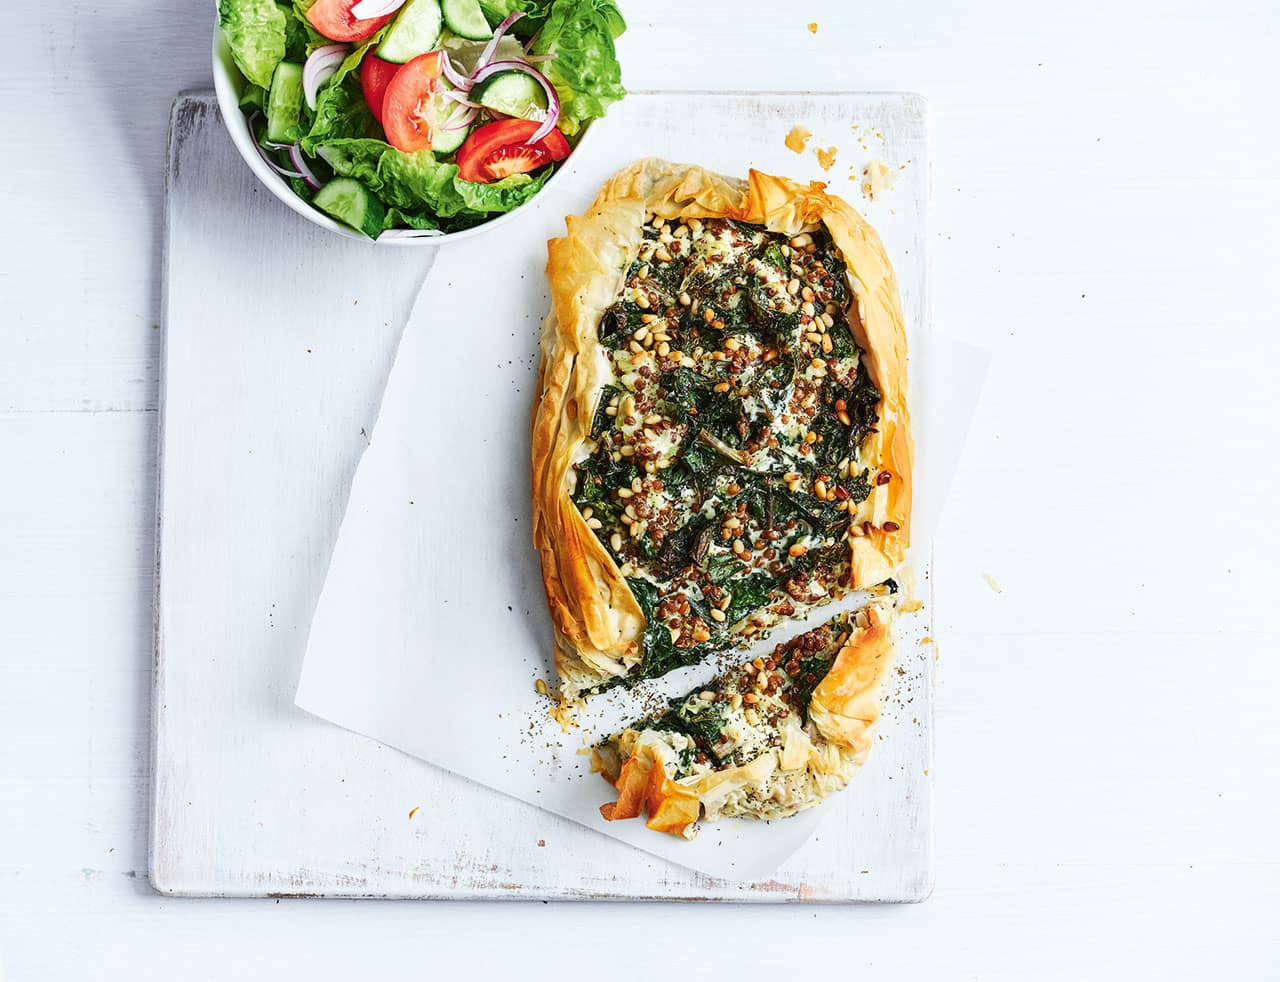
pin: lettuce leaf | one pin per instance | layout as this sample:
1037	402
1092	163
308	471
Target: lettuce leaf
353	60
613	18
253	97
255	32
496	11
536	11
423	192
300	38
585	69
356	158
414	181
500	196
408	219
341	114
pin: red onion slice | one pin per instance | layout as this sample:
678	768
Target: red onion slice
458	122
498	31
553	99
453	95
253	131
454	76
320	67
282	171
368	9
262	152
304	171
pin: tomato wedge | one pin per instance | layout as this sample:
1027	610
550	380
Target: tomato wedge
375	76
498	150
408	108
334	20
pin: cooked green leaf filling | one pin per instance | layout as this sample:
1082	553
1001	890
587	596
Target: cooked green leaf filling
749	709
726	461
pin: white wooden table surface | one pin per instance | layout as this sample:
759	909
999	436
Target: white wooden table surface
1107	221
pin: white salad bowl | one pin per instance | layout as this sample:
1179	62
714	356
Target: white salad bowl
229	84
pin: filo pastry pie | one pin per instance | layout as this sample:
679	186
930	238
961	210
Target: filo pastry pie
721	439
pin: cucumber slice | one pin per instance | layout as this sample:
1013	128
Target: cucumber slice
446	141
351	203
284	103
414	32
465	19
512	94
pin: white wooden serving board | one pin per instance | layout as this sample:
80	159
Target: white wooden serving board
278	339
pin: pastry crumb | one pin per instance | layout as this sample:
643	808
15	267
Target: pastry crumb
826	157
542	843
565	714
797	139
912	605
991	582
540	687
813	27
937	653
413	811
877	178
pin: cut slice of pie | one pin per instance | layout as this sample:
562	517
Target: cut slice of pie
721	439
766	740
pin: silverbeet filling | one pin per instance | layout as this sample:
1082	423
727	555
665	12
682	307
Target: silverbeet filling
726	464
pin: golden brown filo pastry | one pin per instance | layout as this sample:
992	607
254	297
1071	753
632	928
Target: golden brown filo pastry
772	737
721	438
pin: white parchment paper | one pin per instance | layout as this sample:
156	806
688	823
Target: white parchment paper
431	629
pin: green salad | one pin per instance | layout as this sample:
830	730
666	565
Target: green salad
419	117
